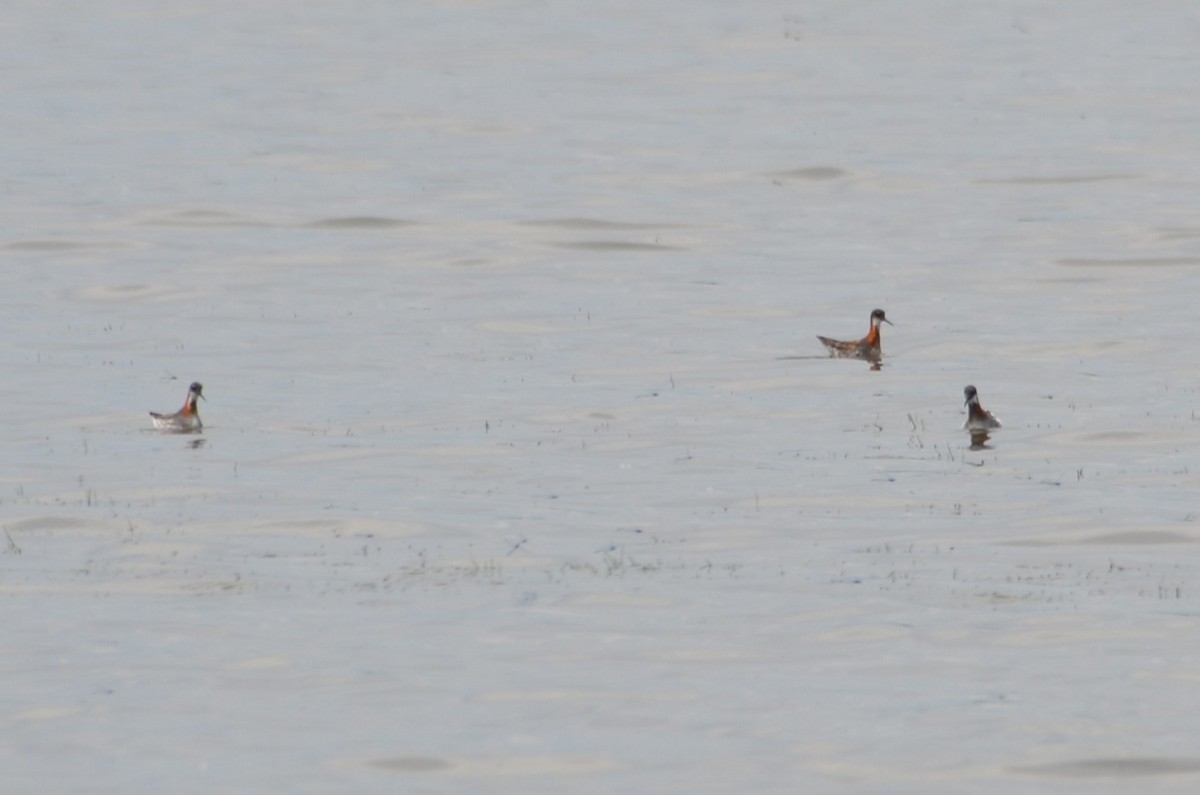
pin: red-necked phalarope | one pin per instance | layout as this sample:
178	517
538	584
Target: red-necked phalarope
978	418
868	347
187	419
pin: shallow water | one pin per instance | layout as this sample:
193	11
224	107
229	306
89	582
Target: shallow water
522	467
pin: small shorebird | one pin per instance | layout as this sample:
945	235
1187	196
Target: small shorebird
868	347
979	419
187	419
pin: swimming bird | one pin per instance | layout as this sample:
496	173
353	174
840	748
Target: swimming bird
868	347
978	418
187	419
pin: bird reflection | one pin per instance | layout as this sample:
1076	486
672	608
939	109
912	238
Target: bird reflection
979	440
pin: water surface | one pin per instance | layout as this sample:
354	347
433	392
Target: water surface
522	470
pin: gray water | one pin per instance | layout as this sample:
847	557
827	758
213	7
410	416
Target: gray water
522	468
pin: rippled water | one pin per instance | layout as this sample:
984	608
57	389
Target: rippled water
522	467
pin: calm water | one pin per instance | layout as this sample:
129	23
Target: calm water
522	469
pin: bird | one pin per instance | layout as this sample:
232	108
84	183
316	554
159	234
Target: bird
187	419
868	347
978	418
